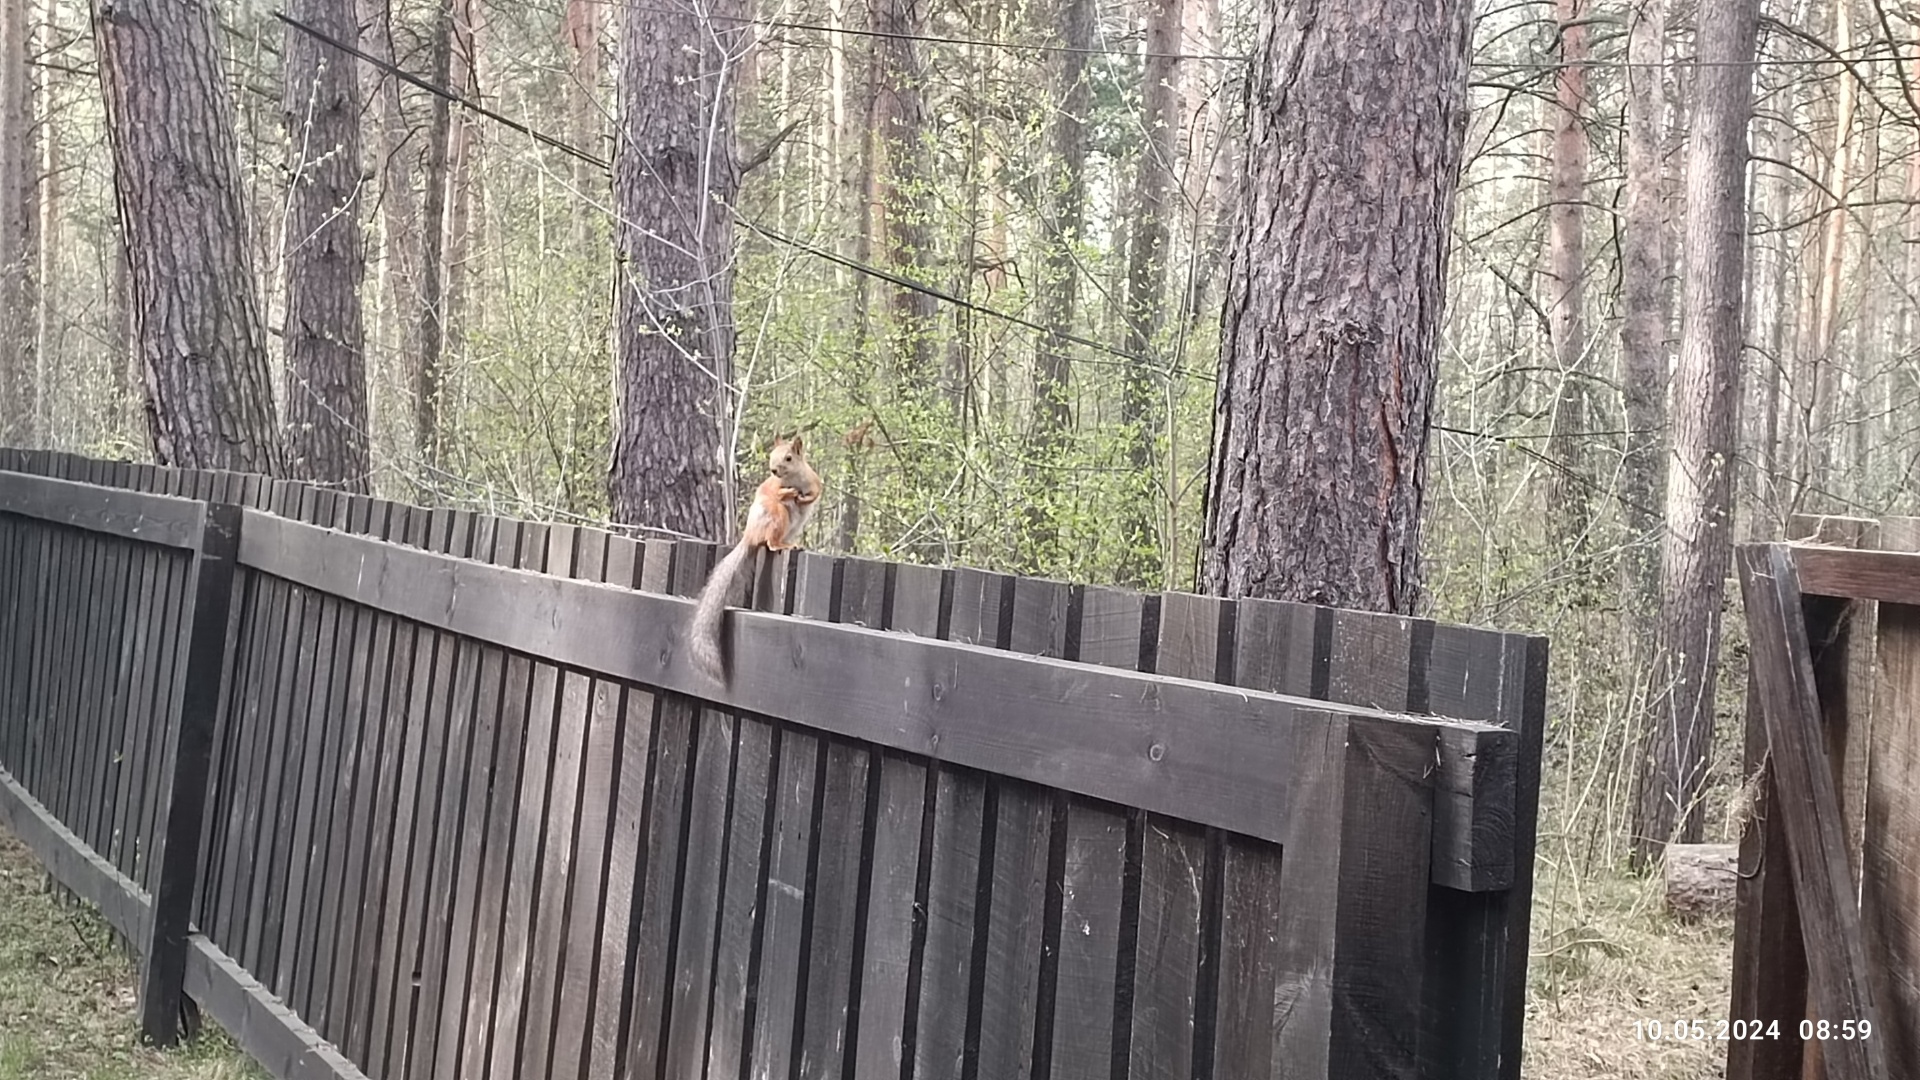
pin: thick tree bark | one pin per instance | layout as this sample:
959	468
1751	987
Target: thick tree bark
1698	540
1334	288
326	397
1571	492
1155	200
674	184
177	179
19	219
1059	288
1643	332
903	183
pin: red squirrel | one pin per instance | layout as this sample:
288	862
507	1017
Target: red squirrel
781	506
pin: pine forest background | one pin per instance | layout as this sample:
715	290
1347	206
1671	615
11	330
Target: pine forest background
927	184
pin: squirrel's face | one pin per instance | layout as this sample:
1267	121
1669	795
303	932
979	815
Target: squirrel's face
785	453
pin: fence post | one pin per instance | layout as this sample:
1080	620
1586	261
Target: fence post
163	975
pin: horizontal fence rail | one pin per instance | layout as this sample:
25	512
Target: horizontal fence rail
467	810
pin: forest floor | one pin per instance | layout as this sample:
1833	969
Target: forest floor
1608	960
67	994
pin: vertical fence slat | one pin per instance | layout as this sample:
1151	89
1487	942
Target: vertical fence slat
785	892
164	972
895	923
1090	879
672	569
513	691
841	777
169	646
311	798
339	860
1172	860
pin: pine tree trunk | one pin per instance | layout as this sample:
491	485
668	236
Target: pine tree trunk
326	396
1698	540
1334	288
456	230
1824	458
19	218
1059	288
432	283
1571	491
1643	332
1155	195
396	163
899	124
177	176
585	129
674	183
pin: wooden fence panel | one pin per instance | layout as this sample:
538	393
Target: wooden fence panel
448	856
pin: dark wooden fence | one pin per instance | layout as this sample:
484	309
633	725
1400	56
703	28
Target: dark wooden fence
442	796
1827	928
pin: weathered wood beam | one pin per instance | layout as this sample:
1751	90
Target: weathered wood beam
1211	754
1804	796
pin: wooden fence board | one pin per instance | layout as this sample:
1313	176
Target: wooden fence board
627	880
170	668
368	832
549	913
116	676
558	875
727	1046
291	796
380	925
950	955
1376	985
186	783
149	519
503	854
435	953
421	782
1169	860
260	830
691	999
895	884
1816	841
1106	719
92	714
1089	914
625	853
54	778
1890	894
511	1000
788	889
342	862
311	802
449	968
829	936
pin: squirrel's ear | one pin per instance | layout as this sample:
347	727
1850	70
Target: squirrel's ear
797	445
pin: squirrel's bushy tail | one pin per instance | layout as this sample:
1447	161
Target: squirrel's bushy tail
704	635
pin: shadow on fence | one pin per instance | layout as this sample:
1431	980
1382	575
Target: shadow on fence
399	792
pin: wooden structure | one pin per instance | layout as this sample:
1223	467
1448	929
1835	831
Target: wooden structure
422	793
1827	924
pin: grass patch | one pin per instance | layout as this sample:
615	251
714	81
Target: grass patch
1607	956
67	994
